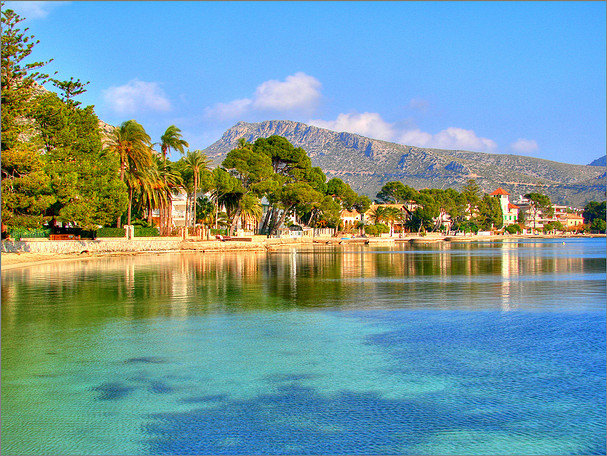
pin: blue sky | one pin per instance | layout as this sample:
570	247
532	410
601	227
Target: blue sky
503	77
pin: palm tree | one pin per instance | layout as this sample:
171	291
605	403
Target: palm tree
156	185
391	215
171	139
172	182
250	207
205	212
133	146
150	190
377	214
196	161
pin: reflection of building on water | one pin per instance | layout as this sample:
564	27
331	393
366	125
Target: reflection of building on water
182	284
509	268
354	264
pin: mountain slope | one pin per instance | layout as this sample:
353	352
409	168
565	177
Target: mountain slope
366	164
601	161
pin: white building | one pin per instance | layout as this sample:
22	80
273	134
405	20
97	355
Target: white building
509	211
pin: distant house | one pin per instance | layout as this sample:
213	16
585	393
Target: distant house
509	211
571	221
568	216
178	206
398	226
350	219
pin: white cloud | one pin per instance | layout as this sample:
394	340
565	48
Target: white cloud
298	92
415	138
458	138
450	138
368	124
524	146
34	9
136	96
372	125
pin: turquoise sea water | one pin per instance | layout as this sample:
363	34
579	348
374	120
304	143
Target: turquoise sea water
491	348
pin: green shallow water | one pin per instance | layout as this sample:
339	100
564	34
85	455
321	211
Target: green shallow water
496	348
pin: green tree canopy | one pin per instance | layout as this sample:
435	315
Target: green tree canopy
489	213
20	80
594	210
396	192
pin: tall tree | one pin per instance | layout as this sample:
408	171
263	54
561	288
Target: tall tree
254	171
292	167
132	145
196	162
52	160
489	213
539	202
396	192
472	193
20	81
171	139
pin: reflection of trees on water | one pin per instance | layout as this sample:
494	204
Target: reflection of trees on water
357	277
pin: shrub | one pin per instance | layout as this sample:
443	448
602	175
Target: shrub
514	228
371	230
382	228
146	231
142	223
468	226
19	232
111	232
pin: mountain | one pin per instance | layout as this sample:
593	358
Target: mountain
601	161
366	164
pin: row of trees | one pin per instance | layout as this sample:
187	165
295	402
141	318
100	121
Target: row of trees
273	168
468	210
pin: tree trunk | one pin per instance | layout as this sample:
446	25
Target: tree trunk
128	217
122	164
187	209
266	221
281	220
272	221
170	213
195	191
234	220
150	219
216	209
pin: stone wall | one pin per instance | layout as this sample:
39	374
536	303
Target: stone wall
151	244
99	245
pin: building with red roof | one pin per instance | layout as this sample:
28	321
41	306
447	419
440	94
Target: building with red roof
509	210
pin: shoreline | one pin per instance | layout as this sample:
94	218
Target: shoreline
21	259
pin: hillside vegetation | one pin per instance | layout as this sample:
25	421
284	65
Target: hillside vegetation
367	164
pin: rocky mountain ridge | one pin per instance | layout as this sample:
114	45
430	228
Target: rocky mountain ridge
366	164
